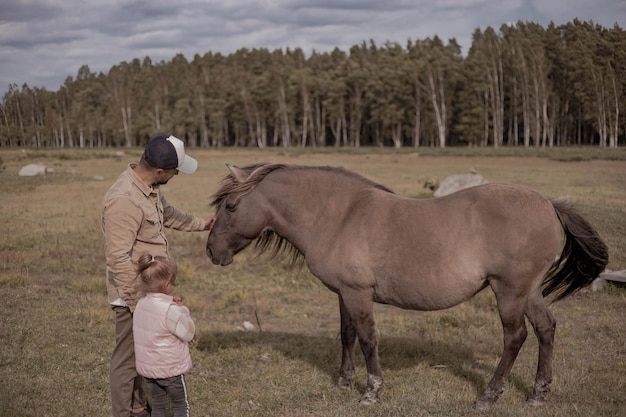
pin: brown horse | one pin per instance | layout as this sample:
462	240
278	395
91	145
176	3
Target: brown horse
367	244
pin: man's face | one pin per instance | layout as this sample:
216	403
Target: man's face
164	175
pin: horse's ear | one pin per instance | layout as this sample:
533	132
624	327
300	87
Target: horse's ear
237	173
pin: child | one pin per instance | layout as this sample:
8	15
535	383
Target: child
162	328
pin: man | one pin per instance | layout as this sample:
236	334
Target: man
134	214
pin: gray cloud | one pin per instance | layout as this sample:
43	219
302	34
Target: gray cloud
42	42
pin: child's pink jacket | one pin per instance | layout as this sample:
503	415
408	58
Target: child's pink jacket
162	330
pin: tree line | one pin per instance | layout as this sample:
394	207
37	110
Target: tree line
521	85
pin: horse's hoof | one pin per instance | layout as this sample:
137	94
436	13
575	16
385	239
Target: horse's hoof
535	402
368	399
340	388
487	399
539	395
343	384
480	405
373	391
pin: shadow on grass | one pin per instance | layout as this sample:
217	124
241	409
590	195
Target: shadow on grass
396	353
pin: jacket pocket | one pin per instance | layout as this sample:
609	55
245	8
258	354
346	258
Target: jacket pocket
150	230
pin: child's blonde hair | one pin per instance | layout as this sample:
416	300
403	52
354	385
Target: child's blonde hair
155	271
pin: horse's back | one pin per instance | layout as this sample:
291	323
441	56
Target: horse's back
486	212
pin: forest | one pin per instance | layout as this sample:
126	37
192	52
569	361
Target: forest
520	85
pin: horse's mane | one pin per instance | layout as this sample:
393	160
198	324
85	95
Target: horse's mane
229	184
268	240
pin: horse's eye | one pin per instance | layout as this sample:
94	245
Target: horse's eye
231	206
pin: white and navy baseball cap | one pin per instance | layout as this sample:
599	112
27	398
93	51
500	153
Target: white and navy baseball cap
168	152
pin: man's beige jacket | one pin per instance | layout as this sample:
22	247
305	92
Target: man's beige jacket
133	218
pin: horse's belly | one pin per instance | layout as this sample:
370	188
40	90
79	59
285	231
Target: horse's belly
423	293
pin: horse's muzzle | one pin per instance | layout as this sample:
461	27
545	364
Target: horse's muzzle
219	260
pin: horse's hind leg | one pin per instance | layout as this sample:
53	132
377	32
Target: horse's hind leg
511	308
544	324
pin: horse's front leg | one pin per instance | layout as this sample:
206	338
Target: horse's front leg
357	313
348	338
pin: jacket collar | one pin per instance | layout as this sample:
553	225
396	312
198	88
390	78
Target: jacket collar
145	189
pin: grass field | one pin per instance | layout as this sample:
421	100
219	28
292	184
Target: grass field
57	329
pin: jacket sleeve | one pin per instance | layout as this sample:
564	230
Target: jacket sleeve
179	322
120	222
179	220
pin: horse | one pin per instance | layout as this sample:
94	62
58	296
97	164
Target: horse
369	245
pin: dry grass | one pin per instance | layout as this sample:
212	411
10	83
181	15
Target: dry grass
57	330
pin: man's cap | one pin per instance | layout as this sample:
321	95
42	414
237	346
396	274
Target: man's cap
168	152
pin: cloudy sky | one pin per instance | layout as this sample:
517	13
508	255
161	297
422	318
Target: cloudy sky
42	42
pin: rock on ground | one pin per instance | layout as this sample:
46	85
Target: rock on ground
31	170
454	183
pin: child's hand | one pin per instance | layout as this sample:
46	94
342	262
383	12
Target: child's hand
178	300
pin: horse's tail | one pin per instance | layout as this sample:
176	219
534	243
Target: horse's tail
584	255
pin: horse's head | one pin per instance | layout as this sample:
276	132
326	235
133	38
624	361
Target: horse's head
239	219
